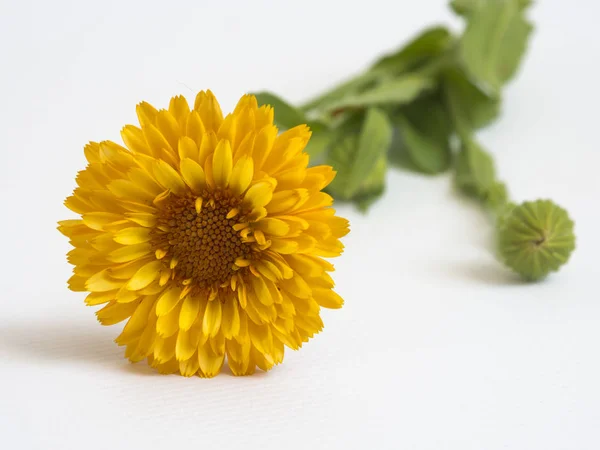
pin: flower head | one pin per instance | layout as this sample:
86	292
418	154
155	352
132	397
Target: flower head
207	234
535	238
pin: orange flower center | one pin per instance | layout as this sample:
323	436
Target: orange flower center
201	245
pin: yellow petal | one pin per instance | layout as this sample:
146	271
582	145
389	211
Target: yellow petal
144	276
306	306
323	281
77	204
245	147
143	179
222	164
209	109
168	325
187	148
261	337
238	358
206	147
217	344
168	368
126	270
284	201
91	152
212	318
263	360
296	286
99	298
328	248
134	139
98	220
137	322
118	156
242	293
238	351
187	343
284	246
193	175
259	194
318	177
128	190
304	265
126	296
228	128
327	298
189	312
157	143
210	362
114	313
190	366
292	178
168	126
146	113
153	289
168	177
146	342
102	282
230	322
264	144
241	175
132	235
194	128
275	227
261	291
144	219
268	270
179	108
164	348
258	312
129	253
167	301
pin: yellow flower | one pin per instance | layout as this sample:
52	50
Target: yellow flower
208	234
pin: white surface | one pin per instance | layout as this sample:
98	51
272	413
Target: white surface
437	347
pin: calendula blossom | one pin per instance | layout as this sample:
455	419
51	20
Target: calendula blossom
208	235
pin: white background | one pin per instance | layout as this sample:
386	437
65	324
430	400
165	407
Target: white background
437	347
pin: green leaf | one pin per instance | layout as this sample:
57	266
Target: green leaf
475	171
494	42
471	108
392	92
425	130
466	7
349	87
425	153
373	187
319	141
355	156
286	115
514	48
422	48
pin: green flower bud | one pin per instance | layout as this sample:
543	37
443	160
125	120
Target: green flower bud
535	238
